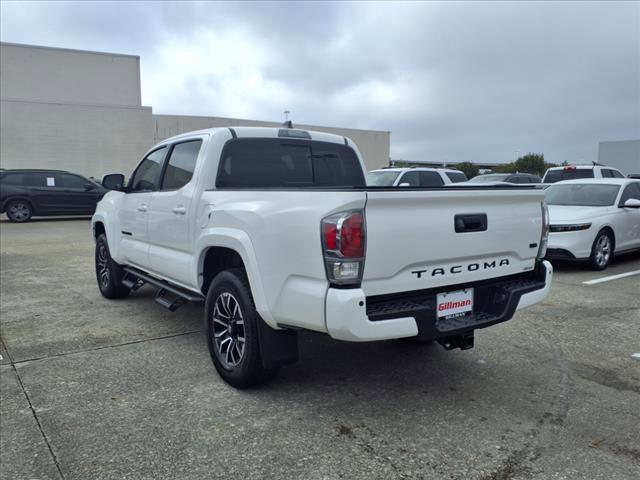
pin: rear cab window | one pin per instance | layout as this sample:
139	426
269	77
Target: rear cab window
287	163
553	176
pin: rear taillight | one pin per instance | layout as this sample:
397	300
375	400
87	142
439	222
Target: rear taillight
343	244
544	237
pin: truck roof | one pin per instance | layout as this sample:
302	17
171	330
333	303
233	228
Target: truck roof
407	169
581	167
597	181
263	132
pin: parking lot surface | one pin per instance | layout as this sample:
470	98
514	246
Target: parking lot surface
99	389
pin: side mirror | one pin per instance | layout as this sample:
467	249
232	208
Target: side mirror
631	203
404	184
113	181
88	186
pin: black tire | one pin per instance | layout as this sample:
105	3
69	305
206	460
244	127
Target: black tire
19	211
108	273
232	330
601	250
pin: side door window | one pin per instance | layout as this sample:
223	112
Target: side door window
73	181
430	179
44	180
181	164
631	191
147	175
616	174
46	191
606	173
412	178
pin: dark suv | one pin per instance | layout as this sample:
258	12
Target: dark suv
25	193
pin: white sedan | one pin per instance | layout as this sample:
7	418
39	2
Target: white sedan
591	219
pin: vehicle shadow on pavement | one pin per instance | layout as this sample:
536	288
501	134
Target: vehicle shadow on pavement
4	219
617	261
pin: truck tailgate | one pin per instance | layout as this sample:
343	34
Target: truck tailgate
412	242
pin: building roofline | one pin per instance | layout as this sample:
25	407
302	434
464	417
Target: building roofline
303	126
633	140
93	52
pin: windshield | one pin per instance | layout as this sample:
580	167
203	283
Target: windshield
553	176
582	195
492	177
382	178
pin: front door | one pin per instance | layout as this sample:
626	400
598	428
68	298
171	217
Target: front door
81	195
132	215
170	214
627	220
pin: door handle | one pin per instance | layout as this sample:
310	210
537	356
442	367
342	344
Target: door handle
475	222
180	210
142	207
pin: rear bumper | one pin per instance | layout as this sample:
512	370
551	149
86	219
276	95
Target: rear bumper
353	317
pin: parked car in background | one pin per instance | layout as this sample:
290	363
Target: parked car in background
414	177
492	178
26	193
593	219
572	172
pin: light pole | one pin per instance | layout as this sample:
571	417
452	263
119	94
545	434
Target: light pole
286	115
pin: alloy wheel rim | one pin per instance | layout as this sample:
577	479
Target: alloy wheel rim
228	330
603	250
103	266
19	211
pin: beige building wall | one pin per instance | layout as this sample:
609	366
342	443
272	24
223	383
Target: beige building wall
81	138
80	111
373	145
68	76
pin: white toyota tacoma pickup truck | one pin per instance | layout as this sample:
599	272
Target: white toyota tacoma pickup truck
275	231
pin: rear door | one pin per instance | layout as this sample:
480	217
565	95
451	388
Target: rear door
412	242
132	214
46	191
170	214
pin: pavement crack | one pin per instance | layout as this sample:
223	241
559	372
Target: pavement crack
33	412
103	347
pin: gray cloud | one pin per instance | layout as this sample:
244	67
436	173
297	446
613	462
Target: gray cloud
452	81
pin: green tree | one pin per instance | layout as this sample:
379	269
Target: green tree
531	163
505	168
469	169
401	164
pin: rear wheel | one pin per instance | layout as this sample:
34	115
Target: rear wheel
232	331
601	250
19	211
108	273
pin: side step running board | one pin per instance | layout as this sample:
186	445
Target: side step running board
169	296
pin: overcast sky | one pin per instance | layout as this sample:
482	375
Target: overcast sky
451	81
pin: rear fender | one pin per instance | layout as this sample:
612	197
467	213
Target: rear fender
240	242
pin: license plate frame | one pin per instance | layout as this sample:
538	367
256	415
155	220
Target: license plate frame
456	303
